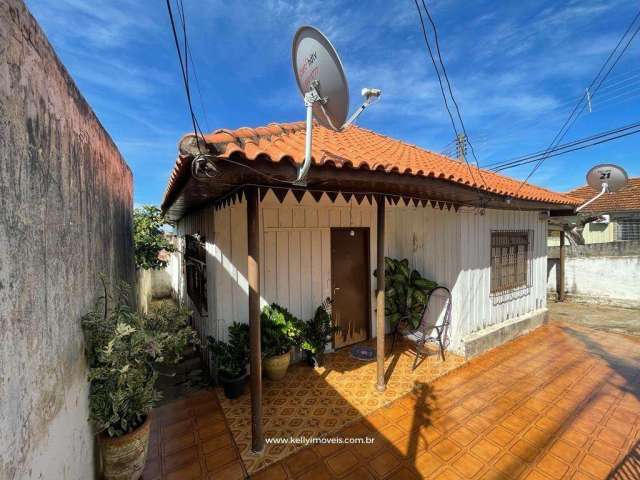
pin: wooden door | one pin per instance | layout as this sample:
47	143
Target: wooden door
350	284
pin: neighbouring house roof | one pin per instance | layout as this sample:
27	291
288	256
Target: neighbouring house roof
355	148
624	200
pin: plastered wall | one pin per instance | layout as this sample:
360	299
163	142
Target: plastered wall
65	217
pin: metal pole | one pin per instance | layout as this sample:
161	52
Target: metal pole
253	274
561	269
309	99
380	385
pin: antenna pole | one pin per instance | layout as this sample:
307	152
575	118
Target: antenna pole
605	189
311	97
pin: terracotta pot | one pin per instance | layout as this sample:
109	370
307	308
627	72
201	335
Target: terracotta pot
123	458
276	367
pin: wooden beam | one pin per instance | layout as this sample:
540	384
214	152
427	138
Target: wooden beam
253	271
189	194
561	269
380	385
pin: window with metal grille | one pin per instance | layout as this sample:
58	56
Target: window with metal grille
510	251
196	271
628	229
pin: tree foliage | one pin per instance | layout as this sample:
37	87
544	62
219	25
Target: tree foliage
150	241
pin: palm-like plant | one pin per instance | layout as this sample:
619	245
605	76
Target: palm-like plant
318	331
406	292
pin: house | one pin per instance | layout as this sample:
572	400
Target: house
250	237
616	216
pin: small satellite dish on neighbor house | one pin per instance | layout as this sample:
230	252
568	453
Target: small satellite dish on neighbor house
607	178
323	85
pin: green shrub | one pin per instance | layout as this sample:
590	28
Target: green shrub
170	322
406	292
280	330
123	351
230	358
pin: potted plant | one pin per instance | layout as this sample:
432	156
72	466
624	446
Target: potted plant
280	332
406	294
230	359
123	351
317	332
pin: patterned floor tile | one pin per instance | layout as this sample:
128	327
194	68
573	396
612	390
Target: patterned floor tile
561	402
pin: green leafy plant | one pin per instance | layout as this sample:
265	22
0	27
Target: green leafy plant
406	292
317	332
169	322
280	330
149	239
230	358
123	350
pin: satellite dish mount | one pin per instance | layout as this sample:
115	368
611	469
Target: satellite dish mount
607	178
323	85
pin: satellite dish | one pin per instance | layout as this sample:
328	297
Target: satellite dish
317	66
612	175
607	178
323	85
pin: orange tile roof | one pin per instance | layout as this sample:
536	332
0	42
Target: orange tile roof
626	199
359	148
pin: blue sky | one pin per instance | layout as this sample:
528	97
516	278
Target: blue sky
516	68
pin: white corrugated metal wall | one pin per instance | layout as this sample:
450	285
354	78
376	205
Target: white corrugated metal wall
452	248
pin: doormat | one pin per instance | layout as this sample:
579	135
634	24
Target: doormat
363	352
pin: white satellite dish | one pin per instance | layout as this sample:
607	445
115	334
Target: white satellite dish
317	66
323	85
607	178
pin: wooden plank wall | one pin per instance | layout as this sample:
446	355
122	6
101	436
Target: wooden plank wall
449	247
454	250
480	308
296	251
201	222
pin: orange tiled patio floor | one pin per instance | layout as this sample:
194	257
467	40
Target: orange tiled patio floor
562	402
312	402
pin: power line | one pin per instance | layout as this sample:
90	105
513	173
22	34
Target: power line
184	70
453	98
592	91
516	160
613	91
581	147
433	61
579	144
189	57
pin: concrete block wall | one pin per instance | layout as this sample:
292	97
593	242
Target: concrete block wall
65	217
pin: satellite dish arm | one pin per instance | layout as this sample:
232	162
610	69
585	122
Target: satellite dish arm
311	97
371	95
605	189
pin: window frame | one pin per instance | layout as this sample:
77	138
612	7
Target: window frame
196	271
627	229
519	268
